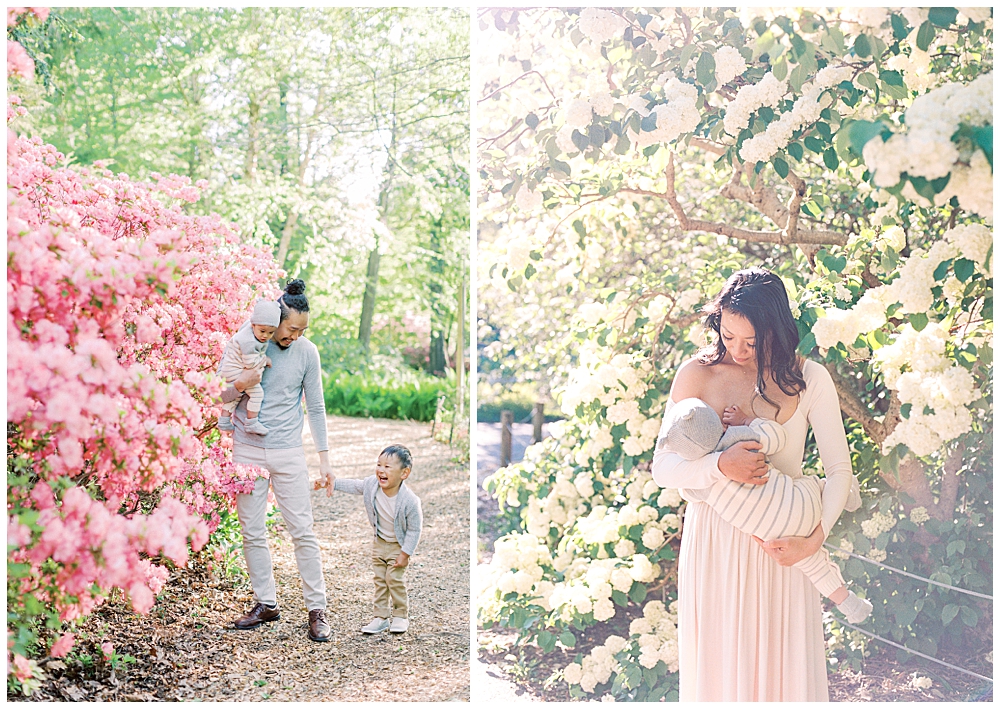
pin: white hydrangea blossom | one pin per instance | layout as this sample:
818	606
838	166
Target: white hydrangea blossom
805	110
729	64
601	26
766	92
669	497
528	200
976	14
925	149
877	555
579	113
518	253
678	115
845	546
918	515
919	682
878	524
844	326
972	184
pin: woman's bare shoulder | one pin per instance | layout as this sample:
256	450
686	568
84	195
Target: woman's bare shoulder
691	378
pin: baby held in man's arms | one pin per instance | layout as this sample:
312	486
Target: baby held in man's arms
782	506
248	350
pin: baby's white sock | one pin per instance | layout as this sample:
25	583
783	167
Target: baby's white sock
854	609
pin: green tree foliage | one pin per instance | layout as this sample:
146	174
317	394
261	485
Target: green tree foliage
322	132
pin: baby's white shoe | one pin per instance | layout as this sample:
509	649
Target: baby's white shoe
225	424
855	609
399	625
376	626
255	426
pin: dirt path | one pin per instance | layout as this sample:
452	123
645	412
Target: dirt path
186	649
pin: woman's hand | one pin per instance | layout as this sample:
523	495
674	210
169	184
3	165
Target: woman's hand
791	550
744	463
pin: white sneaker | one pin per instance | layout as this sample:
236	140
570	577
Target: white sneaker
376	626
399	625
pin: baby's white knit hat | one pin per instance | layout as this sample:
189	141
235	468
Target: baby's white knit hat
266	312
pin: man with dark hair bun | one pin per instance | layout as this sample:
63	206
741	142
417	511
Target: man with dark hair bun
294	372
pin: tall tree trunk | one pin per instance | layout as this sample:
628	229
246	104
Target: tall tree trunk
460	352
286	236
436	361
253	126
368	303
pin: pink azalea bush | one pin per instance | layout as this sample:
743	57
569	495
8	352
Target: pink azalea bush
119	304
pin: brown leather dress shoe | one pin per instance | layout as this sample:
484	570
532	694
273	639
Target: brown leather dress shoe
258	614
318	628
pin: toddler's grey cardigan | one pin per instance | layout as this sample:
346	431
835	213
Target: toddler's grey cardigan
409	517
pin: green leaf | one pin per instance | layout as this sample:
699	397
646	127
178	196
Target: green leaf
815	144
780	167
860	132
806	344
983	135
623	144
563	167
964	268
780	68
581	141
705	68
942	16
969	616
941	272
928	188
925	35
531	120
648	123
529	271
546	641
638	592
918	321
899	27
795	150
862	46
891	77
948	613
567	638
866	79
619	598
830	158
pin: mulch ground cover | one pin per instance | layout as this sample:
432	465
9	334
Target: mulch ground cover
186	648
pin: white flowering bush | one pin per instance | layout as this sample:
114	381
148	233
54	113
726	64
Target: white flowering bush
851	153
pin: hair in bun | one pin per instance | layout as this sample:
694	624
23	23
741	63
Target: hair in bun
294	298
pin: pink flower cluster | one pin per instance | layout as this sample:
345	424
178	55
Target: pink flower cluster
119	305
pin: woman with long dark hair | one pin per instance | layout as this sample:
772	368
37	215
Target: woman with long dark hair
750	626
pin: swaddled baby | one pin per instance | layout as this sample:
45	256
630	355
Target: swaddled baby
782	506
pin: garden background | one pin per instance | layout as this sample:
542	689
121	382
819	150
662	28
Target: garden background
631	160
165	167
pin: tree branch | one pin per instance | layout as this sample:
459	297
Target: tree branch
851	404
688	224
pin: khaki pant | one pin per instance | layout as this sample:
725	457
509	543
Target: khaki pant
389	583
290	482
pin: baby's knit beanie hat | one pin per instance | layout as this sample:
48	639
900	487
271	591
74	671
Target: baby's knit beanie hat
266	312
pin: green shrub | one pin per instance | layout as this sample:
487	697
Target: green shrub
359	395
